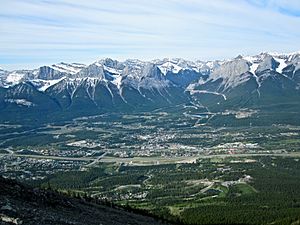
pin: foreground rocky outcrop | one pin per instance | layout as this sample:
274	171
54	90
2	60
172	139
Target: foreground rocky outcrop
23	205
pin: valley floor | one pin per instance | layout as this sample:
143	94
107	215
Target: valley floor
163	164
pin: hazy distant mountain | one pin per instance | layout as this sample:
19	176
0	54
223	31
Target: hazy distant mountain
110	85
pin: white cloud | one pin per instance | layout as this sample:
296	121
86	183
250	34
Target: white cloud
43	31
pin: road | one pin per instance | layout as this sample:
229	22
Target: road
148	160
97	160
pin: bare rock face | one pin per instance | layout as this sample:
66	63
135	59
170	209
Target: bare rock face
232	68
268	63
232	72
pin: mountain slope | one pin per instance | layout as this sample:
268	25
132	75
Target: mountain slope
23	205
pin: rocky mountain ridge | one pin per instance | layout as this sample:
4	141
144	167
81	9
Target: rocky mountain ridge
111	85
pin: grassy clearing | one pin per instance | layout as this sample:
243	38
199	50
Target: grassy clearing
245	189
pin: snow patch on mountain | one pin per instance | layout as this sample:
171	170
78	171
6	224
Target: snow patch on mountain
21	102
71	68
254	61
43	85
192	92
14	77
169	67
282	64
117	81
253	68
111	70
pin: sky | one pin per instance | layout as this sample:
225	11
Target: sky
42	32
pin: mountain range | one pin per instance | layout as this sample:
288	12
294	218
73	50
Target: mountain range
264	81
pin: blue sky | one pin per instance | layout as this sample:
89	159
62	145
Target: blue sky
38	32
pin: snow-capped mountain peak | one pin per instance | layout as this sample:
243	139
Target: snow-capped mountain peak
158	73
169	66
